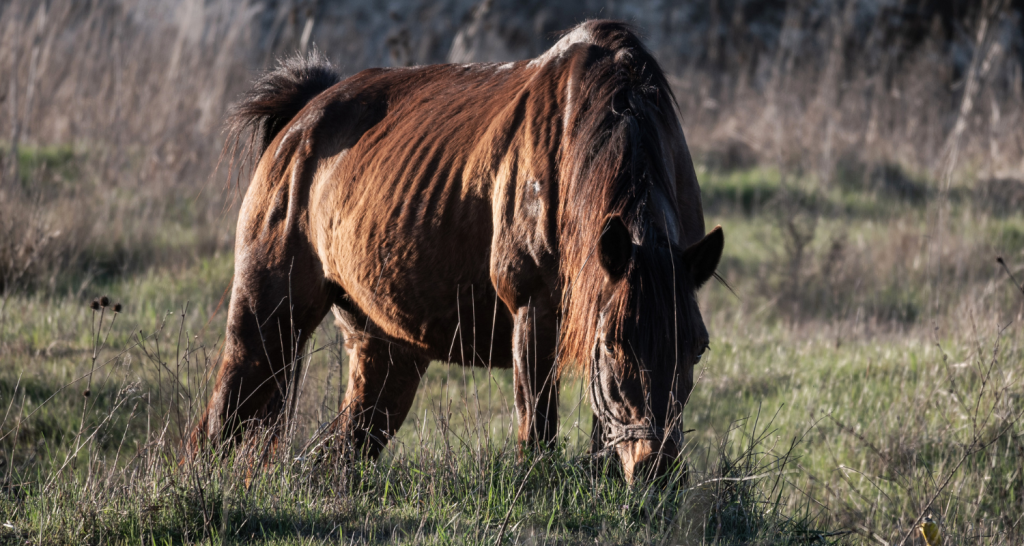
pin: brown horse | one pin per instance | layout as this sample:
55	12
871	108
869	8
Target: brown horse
538	215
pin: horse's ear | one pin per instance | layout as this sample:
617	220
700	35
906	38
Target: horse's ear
702	257
616	247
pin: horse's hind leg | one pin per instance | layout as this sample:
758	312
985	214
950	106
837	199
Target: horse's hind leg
382	382
279	297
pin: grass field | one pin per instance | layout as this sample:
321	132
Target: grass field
865	367
864	370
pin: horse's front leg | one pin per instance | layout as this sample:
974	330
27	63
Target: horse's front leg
536	376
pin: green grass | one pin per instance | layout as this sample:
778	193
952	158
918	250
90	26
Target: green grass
834	409
48	170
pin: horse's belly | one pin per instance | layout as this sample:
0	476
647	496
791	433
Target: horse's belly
426	283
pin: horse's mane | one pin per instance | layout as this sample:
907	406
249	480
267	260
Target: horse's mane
614	163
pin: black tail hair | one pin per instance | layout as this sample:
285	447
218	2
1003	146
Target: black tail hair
276	97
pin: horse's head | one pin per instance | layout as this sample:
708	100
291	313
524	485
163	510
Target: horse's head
648	337
628	198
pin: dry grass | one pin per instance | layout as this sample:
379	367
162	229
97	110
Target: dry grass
844	87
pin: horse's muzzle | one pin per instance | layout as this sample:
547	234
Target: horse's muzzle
646	459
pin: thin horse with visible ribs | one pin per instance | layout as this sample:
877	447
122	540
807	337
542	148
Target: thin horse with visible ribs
557	194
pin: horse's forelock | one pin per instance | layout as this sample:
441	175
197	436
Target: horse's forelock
612	163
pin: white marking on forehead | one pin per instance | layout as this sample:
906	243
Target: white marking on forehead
579	35
506	66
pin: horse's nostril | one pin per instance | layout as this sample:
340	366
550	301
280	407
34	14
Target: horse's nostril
669	450
651	467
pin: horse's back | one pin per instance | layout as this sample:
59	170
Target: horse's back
399	216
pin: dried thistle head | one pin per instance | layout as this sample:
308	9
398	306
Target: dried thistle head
104	301
117	307
95	305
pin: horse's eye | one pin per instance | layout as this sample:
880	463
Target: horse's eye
702	351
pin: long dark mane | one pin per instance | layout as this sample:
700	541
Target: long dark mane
614	164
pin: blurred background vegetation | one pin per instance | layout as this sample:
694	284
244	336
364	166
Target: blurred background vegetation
111	137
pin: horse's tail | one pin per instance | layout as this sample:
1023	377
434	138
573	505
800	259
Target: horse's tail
276	97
